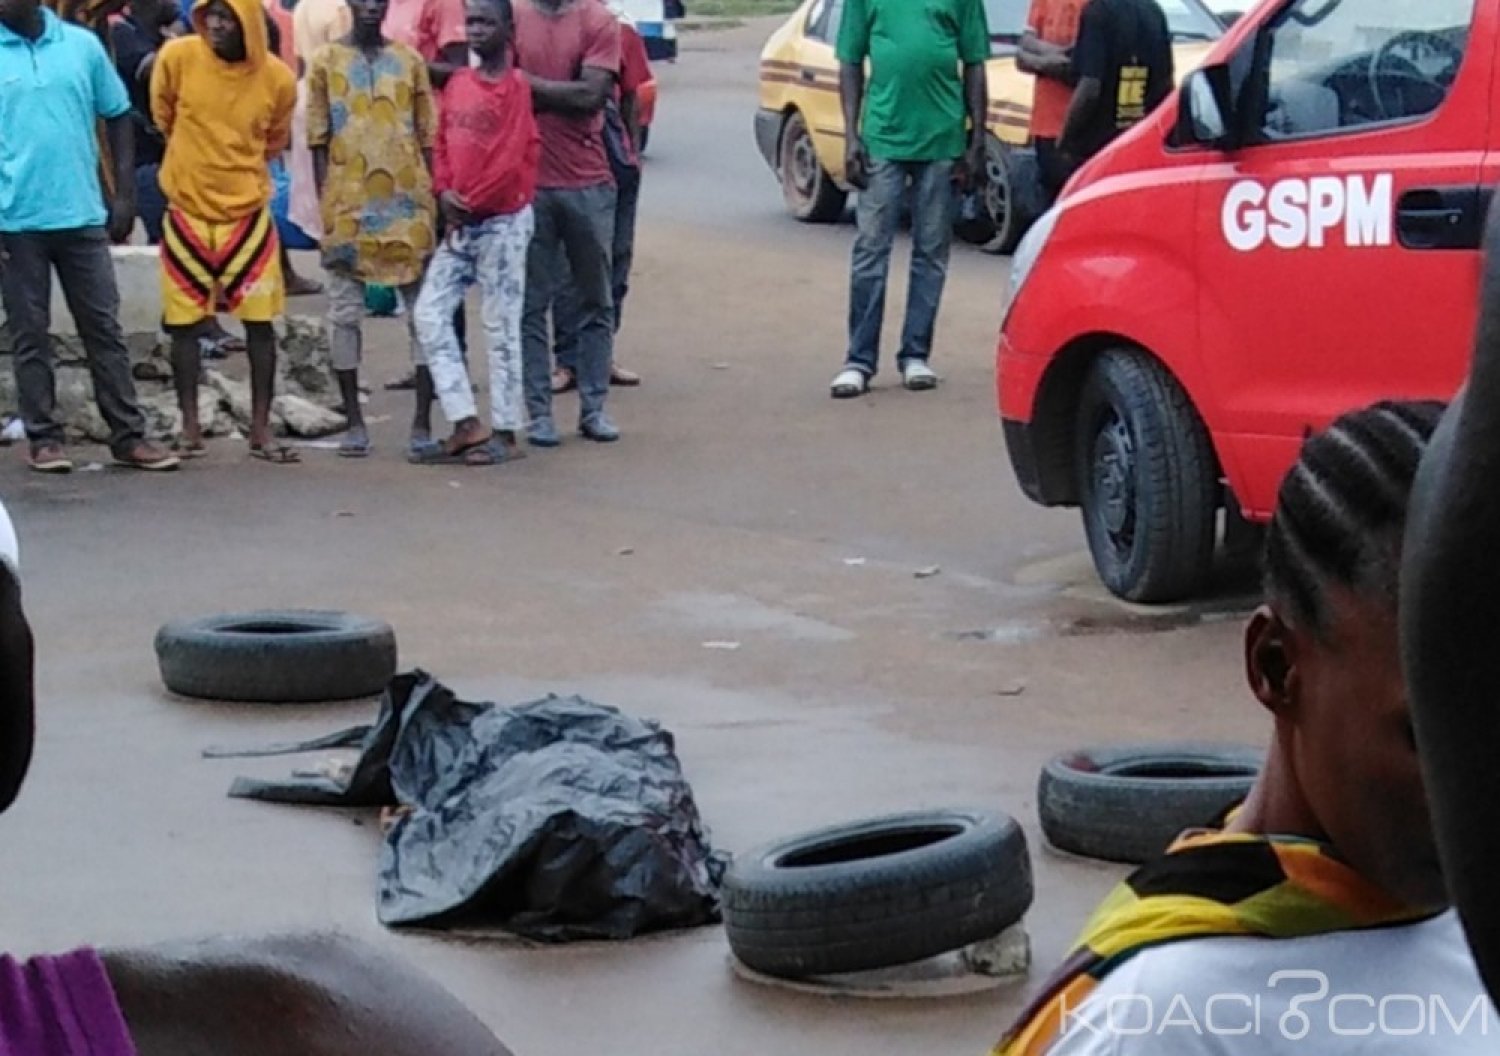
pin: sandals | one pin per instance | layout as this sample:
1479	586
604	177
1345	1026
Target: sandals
354	447
212	347
563	380
276	454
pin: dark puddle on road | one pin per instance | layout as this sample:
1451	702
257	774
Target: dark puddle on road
1016	632
1080	607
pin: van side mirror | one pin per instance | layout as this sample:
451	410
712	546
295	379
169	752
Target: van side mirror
1205	113
1229	18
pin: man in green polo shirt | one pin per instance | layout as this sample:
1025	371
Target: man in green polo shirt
917	121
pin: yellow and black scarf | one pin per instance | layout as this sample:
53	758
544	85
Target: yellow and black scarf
1207	884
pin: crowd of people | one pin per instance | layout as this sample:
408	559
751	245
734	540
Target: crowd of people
432	146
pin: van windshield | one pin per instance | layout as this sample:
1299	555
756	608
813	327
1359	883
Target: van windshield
1188	20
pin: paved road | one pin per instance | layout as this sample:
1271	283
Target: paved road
742	491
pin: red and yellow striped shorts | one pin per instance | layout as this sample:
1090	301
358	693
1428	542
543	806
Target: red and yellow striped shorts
209	267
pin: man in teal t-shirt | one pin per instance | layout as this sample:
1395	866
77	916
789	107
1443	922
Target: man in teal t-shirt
55	82
917	121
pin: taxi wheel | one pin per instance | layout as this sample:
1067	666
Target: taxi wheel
995	225
811	195
1148	481
1000	205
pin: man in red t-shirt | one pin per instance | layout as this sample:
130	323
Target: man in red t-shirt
623	130
570	52
1047	52
484	175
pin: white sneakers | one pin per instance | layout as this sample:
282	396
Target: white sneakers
915	376
849	383
918	376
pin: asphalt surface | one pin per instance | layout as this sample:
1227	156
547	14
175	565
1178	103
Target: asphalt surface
743	505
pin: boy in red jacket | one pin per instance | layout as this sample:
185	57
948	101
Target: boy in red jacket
484	174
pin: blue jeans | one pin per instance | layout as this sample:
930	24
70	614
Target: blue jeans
150	203
575	231
932	203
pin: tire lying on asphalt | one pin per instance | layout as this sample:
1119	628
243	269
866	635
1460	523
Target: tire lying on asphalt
1127	803
878	893
291	657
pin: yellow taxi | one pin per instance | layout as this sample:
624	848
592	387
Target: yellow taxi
800	126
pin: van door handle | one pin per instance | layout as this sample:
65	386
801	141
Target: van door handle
1429	218
809	76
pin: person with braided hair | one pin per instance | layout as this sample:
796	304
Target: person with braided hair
1314	917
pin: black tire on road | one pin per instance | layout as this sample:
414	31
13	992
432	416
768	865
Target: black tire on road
290	657
811	195
1128	803
876	894
1148	480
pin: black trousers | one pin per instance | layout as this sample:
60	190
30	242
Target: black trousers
84	267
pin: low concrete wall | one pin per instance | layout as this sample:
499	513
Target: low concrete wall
138	274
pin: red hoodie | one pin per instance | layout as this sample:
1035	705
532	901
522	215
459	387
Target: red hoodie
488	146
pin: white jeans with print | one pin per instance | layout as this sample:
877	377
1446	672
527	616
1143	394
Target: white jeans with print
492	253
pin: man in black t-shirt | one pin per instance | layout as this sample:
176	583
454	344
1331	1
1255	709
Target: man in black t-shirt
1123	62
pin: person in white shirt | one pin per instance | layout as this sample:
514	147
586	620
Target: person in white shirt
1316	919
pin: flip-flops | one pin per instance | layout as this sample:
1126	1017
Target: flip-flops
276	454
489	453
354	447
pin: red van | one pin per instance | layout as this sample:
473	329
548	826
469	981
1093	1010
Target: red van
1295	233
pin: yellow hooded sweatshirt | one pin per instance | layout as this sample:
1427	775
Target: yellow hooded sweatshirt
224	121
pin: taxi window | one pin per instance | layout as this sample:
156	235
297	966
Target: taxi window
823	20
1333	65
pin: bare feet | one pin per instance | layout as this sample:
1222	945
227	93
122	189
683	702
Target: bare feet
466	434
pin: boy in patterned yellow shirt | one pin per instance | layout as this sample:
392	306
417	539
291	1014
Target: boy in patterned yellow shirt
370	123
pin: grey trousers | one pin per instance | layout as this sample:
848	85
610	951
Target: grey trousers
87	273
575	231
565	310
346	316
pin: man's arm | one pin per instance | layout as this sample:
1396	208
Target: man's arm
424	114
316	996
120	132
582	97
451	58
443	24
852	99
1090	63
164	92
599	67
1450	609
112	105
1044	59
852	50
977	97
1081	112
319	122
279	132
630	115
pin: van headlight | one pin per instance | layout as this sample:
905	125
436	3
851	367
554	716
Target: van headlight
1026	255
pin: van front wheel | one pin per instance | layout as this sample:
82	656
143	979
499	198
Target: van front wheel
1148	481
